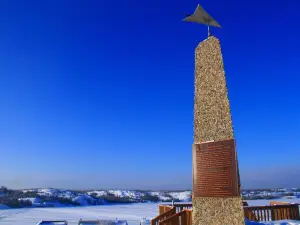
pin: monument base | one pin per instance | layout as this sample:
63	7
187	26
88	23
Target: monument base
218	211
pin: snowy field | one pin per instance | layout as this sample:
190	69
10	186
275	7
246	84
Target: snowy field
133	213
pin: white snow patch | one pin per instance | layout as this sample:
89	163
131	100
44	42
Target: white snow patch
160	195
132	213
128	194
98	193
32	200
181	196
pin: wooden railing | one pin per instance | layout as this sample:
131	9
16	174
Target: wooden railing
179	207
164	215
182	218
181	214
279	203
245	203
163	208
272	212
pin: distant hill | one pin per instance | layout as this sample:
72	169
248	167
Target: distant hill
51	197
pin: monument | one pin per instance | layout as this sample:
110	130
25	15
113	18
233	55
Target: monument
216	184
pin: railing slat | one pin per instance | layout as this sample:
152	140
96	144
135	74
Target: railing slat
183	219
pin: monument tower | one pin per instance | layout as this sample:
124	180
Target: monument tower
216	184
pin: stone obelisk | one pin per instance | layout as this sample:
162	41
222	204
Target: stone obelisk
216	183
216	186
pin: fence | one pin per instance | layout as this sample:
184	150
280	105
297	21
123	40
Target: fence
169	214
182	218
272	212
163	214
179	207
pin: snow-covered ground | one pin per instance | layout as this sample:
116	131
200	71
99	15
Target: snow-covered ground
133	213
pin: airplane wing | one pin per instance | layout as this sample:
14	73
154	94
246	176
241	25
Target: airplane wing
189	18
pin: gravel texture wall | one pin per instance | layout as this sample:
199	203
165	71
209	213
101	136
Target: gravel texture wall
212	122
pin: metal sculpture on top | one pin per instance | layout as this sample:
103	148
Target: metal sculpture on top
202	17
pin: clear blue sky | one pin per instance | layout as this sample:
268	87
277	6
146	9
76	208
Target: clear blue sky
99	94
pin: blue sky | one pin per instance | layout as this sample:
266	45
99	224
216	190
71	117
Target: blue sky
99	94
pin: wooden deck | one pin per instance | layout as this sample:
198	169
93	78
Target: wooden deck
181	213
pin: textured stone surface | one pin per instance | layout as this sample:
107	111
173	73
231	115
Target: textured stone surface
212	121
212	118
218	211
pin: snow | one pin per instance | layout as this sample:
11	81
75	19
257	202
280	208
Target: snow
132	213
28	190
168	196
81	200
32	200
144	221
161	196
56	193
129	194
85	200
98	193
182	196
